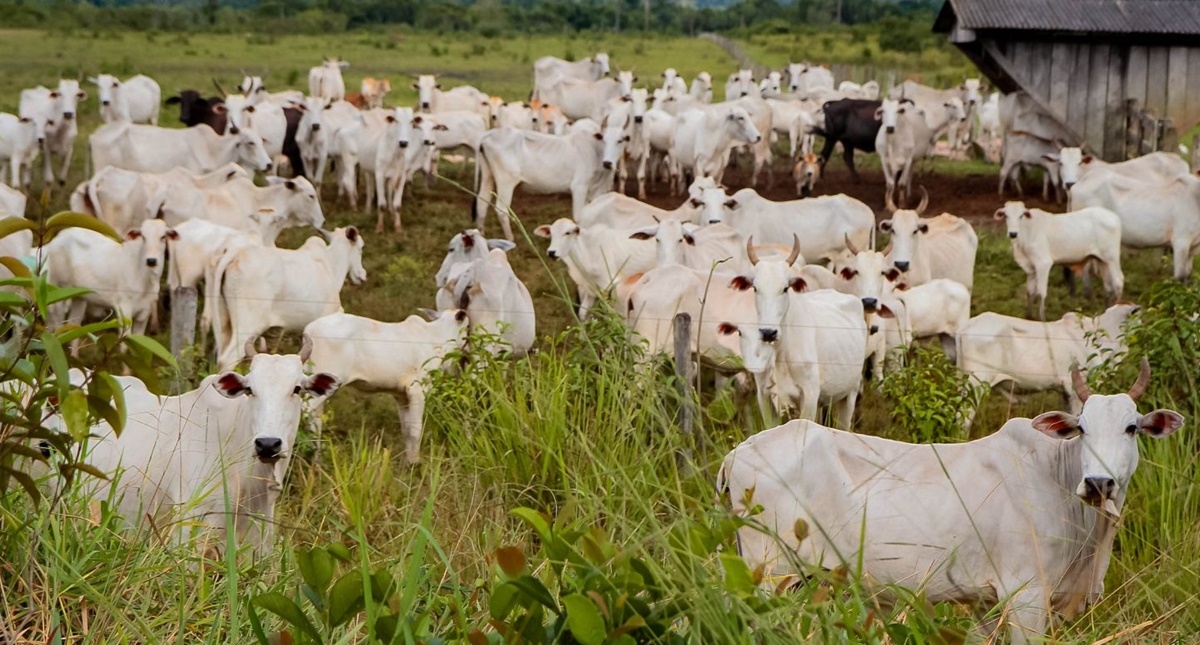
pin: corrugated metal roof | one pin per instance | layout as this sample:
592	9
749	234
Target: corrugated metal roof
1109	16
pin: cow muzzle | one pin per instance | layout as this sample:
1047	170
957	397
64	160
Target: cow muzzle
1012	235
105	103
268	449
608	165
425	105
891	129
1097	490
151	262
68	115
552	254
638	119
769	335
1068	184
903	266
316	127
235	130
403	144
870	304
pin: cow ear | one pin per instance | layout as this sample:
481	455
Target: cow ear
884	311
1057	425
81	95
417	120
1027	215
172	234
250	109
999	215
924	228
352	233
1086	159
799	285
542	231
892	275
232	385
391	118
461	314
689	238
291	185
133	234
415	86
503	245
741	283
643	234
731	204
220	108
442	127
847	273
321	384
727	329
900	286
695	202
1050	156
886	226
598	136
1160	423
173	100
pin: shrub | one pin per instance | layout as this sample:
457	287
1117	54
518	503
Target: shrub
928	395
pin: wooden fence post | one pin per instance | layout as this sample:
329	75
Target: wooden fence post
183	319
1168	136
1133	129
683	381
1195	151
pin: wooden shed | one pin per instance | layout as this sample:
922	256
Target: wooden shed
1116	74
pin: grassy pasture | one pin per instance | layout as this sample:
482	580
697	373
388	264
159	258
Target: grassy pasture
571	431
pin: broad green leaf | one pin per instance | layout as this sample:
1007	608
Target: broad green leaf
87	468
17	267
537	591
10	225
118	400
9	299
290	612
346	598
584	619
152	346
385	628
316	567
535	520
74	410
58	361
339	551
256	626
502	600
68	333
58	294
738	579
24	480
382	585
66	219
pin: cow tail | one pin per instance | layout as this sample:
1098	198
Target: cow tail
92	199
214	293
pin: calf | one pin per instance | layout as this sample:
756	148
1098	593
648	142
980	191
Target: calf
496	301
583	162
925	248
396	358
317	134
134	101
1040	240
326	82
122	277
1022	149
854	124
597	258
374	91
255	289
805	173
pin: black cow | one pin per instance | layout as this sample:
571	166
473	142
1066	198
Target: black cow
195	109
291	149
854	124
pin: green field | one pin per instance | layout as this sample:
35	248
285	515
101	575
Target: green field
572	431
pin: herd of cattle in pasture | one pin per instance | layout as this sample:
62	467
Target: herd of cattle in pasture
794	296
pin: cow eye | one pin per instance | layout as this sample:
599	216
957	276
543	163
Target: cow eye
1131	429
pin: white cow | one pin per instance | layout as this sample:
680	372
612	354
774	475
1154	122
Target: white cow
805	349
55	111
1074	165
123	198
1021	149
1038	356
137	100
597	258
316	134
740	83
935	102
266	119
465	248
255	91
148	148
583	163
514	115
924	248
580	99
701	88
19	147
1041	240
772	83
239	204
823	223
868	91
255	289
455	131
548	69
673	83
804	78
1020	517
614	210
496	301
1153	214
431	97
388	357
794	119
179	456
122	277
705	138
907	133
702	248
325	81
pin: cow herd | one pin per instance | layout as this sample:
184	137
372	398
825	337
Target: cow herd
794	297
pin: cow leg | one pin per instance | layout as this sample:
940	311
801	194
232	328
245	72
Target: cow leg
844	409
641	178
412	411
1027	615
848	157
1181	251
1043	288
1114	279
504	208
397	199
432	171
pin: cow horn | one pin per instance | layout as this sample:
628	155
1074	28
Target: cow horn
306	348
889	203
924	200
220	89
888	249
1079	384
791	258
750	251
328	235
248	349
850	245
1143	380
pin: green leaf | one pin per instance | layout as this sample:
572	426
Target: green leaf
58	361
346	598
316	567
537	591
16	266
339	551
118	400
502	600
66	219
535	520
75	413
147	344
256	626
87	468
59	294
290	612
584	619
738	579
385	628
25	481
10	225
